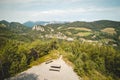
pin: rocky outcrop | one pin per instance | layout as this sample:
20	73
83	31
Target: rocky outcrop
70	39
38	28
2	25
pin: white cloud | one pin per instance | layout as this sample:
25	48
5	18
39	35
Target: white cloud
70	11
59	14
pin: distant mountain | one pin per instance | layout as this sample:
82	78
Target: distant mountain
95	25
13	26
13	31
42	22
4	22
31	23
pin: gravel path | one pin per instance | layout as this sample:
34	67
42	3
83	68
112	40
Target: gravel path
53	70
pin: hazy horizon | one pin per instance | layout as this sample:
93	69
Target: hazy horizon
59	10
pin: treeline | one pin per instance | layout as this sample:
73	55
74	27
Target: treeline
93	61
96	25
15	56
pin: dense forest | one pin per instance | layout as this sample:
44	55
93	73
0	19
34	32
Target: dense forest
21	47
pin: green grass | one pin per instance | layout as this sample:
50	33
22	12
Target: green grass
83	34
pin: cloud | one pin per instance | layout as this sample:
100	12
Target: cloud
33	1
74	11
23	10
60	14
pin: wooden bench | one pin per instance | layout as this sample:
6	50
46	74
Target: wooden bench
48	62
54	70
55	66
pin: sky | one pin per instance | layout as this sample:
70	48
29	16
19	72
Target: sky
59	10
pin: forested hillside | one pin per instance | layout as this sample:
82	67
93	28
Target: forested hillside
91	48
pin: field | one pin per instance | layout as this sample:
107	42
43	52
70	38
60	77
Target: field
109	30
83	34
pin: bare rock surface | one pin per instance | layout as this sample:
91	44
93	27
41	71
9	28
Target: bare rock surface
53	70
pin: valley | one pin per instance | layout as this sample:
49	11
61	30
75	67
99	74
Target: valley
25	49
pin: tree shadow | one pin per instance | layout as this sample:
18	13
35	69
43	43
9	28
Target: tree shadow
25	76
